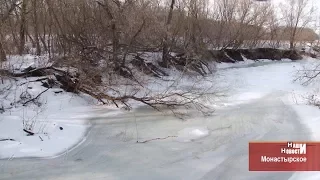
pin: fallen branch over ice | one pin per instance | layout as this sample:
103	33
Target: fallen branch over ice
75	83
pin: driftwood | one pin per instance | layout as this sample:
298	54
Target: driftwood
28	132
147	67
38	80
182	62
126	72
236	55
67	82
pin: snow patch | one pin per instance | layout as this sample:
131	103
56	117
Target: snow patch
59	121
192	133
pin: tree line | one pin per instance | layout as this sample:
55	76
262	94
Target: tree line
112	29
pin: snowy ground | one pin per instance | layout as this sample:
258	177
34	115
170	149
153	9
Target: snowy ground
260	102
58	119
267	77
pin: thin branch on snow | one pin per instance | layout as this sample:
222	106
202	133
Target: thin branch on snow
38	80
33	99
156	139
7	140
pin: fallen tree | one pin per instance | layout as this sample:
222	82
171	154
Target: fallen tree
236	55
147	67
183	62
72	82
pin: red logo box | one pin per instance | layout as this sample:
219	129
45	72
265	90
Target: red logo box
284	156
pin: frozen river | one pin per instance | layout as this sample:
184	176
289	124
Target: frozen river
213	148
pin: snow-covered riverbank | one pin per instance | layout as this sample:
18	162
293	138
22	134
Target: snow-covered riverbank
58	119
260	102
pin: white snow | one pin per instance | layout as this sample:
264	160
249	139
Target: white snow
192	133
56	110
310	116
49	140
249	83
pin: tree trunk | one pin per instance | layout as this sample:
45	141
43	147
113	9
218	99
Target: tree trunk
293	37
23	27
291	44
115	42
115	36
36	28
3	56
165	48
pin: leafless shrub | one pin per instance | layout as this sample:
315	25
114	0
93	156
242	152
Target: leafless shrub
314	100
308	75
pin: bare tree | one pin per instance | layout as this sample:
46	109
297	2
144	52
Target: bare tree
296	14
273	32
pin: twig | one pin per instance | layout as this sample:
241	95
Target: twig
41	79
33	99
156	139
7	140
29	132
222	128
